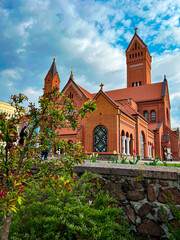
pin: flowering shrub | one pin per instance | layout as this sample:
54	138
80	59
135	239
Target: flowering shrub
17	160
85	212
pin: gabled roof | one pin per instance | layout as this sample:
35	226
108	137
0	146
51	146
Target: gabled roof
53	69
107	97
138	94
76	86
136	37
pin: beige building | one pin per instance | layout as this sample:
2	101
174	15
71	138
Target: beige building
7	108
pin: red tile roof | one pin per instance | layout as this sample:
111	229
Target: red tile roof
68	131
88	94
138	94
153	126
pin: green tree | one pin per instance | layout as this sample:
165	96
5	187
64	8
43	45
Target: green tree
54	112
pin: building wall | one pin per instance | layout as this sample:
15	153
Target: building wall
106	115
7	108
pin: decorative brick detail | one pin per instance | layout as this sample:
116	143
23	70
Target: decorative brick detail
149	227
175	195
135	195
150	193
130	213
144	210
163	184
136	185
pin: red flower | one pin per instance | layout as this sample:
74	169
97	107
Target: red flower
69	190
153	147
134	150
123	148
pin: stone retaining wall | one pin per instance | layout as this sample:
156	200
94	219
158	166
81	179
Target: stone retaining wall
139	191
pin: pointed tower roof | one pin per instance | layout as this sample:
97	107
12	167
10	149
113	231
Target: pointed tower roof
136	37
53	69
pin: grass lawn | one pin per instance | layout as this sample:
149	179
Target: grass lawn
169	165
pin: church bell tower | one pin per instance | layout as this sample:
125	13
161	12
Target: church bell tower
138	62
52	78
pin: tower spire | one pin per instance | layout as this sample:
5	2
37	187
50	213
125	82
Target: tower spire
71	76
52	78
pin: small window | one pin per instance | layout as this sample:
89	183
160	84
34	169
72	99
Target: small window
132	84
137	84
141	53
133	49
146	115
138	47
140	84
138	54
153	116
135	45
133	55
130	56
70	95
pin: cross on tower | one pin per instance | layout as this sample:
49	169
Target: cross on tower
101	85
135	29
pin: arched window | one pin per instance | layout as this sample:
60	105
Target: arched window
100	138
146	115
167	113
153	115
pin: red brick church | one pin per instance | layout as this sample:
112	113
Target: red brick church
136	117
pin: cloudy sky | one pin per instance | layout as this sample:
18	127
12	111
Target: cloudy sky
90	35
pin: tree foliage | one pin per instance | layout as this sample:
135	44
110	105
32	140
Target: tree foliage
54	112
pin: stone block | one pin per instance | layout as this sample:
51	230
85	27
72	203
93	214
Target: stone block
150	193
163	183
144	210
135	195
136	185
149	227
160	215
175	195
130	213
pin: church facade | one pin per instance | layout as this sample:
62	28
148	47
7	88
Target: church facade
134	120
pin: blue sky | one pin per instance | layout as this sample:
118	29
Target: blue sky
90	35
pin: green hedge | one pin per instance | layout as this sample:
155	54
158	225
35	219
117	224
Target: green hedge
84	213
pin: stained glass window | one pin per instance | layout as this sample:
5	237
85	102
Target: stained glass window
100	139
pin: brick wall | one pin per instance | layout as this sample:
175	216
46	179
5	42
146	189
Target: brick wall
139	191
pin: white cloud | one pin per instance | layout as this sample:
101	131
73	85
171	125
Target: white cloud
14	73
24	27
32	94
20	50
174	96
175	122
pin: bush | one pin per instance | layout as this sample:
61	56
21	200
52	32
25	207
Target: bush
84	213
